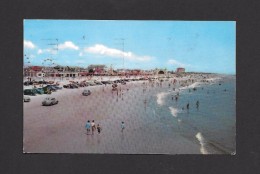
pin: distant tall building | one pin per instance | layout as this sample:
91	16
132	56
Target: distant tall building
180	70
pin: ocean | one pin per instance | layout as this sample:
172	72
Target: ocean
212	124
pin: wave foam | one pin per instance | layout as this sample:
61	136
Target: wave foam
160	97
174	111
196	84
203	143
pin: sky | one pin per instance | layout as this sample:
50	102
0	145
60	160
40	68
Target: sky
197	46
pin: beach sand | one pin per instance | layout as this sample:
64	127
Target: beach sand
61	128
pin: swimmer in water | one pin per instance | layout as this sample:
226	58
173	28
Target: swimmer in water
197	104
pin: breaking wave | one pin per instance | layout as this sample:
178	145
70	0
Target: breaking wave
203	143
174	111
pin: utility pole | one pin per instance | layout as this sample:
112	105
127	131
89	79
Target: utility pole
122	43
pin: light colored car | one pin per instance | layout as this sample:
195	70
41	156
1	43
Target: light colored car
48	101
91	83
98	83
26	99
86	92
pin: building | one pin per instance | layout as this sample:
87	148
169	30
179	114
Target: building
180	70
160	72
97	69
32	71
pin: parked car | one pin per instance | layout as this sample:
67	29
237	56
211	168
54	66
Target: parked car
48	101
68	86
26	99
38	91
56	87
27	83
104	82
91	83
46	90
82	84
65	86
29	92
98	83
51	88
42	82
86	92
74	85
110	82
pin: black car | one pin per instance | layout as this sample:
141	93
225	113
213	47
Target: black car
104	82
73	86
29	92
42	82
28	83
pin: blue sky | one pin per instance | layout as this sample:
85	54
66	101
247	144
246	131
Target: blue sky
202	46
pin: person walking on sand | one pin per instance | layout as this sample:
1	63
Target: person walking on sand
88	126
122	126
99	128
93	126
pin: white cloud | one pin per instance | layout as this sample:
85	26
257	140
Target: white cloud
40	51
177	63
48	50
68	45
28	44
111	52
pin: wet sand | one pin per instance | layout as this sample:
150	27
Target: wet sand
61	128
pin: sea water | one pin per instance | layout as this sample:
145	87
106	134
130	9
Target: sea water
212	124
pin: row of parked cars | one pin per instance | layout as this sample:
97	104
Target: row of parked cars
48	101
34	82
73	85
48	89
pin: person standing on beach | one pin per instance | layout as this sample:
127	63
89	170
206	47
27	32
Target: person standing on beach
88	126
176	98
93	126
99	128
122	126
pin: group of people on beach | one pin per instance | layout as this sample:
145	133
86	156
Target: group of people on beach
92	126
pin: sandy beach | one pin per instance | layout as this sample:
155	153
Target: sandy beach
61	128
